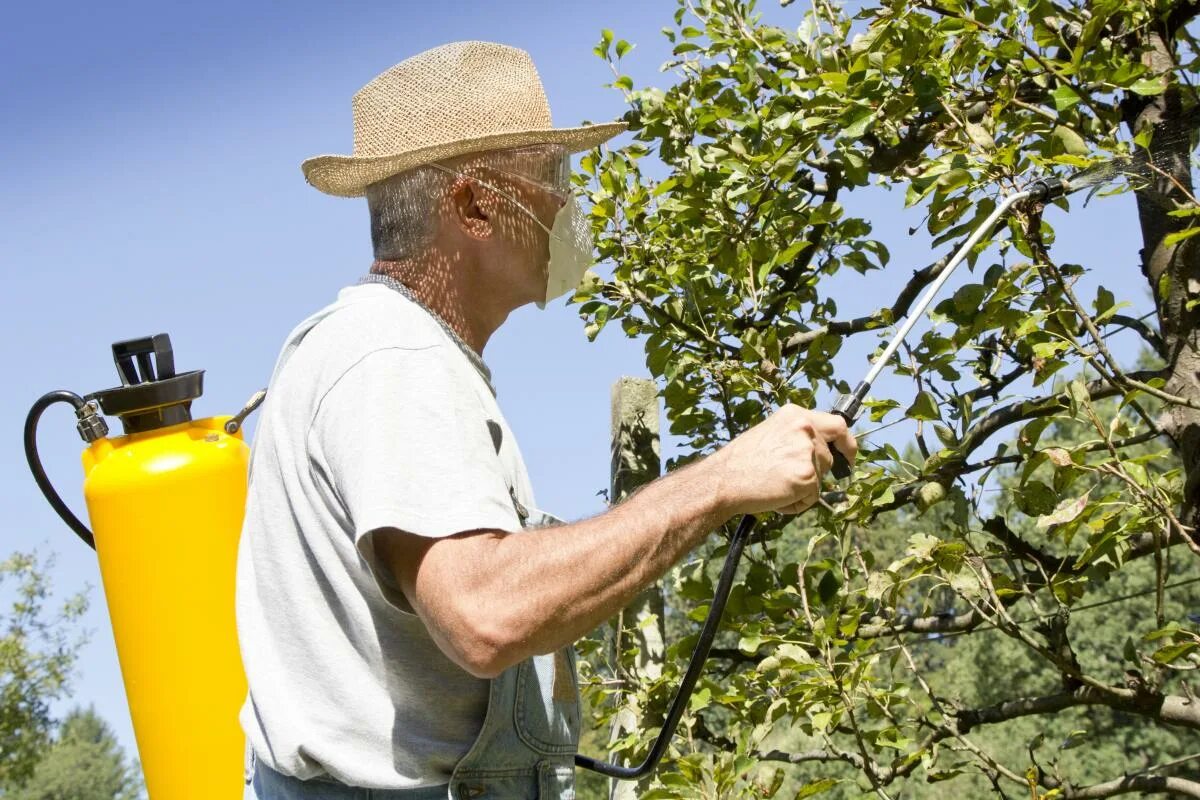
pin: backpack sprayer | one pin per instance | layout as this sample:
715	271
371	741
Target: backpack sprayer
166	502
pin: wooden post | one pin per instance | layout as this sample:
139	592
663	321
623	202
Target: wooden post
635	462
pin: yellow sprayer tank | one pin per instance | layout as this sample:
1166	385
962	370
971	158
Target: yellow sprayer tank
166	502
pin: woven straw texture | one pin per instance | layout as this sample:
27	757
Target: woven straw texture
459	98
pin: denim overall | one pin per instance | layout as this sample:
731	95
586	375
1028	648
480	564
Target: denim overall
524	751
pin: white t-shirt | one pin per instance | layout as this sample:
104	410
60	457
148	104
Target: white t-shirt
374	418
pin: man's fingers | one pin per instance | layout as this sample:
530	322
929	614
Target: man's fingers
802	505
834	431
822	458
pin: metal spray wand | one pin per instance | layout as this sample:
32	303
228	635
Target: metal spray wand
848	406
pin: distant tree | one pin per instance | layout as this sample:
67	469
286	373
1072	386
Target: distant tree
37	654
84	763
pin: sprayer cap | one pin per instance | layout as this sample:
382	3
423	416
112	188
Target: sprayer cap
151	395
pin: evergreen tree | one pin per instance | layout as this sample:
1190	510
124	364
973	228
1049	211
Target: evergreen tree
84	763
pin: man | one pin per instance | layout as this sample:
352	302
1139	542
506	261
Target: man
405	613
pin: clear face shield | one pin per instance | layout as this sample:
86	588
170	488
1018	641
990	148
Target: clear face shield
545	168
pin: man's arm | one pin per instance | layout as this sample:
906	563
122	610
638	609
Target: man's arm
492	599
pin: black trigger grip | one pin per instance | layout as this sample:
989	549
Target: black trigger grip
847	407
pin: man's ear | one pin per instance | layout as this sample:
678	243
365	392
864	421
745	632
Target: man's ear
471	208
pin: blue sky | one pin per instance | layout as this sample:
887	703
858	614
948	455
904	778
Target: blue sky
151	159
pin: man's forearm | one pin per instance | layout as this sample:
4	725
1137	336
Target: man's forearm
539	590
491	599
568	580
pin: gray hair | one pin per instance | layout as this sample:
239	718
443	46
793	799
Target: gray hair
405	209
404	214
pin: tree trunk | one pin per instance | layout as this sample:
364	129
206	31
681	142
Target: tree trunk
635	462
1173	271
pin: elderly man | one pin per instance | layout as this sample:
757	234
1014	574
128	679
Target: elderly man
405	613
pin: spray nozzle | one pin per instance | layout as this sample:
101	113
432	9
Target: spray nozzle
1045	189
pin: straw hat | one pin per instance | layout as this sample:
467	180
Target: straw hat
459	98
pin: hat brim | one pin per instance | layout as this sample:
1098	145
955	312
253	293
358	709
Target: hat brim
349	176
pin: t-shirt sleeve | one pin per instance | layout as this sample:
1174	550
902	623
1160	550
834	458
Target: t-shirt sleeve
404	443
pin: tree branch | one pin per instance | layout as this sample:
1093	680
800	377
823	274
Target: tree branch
1001	418
1168	709
1139	546
899	309
1017	458
1133	783
1143	329
937	623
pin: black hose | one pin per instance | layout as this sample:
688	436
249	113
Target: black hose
699	655
35	463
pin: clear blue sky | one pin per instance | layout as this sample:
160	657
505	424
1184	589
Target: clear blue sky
151	183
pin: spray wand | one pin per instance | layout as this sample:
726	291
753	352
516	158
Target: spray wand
847	407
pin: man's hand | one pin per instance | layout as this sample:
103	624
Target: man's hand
777	465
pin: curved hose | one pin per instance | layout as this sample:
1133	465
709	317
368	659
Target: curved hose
35	462
699	655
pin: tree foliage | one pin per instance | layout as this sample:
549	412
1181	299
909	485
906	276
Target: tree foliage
1044	476
37	653
84	763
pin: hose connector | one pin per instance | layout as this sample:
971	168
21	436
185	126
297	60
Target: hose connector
1045	189
848	406
90	424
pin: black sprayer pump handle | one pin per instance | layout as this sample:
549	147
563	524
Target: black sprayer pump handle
132	358
847	407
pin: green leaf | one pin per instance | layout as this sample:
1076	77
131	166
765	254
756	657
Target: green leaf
1065	511
750	643
1149	86
1064	97
880	408
930	494
664	186
1077	391
924	407
922	545
815	788
601	49
700	699
859	126
827	589
1172	239
1070	141
1035	499
945	435
1074	739
1104	301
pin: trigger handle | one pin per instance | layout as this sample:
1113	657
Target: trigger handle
847	407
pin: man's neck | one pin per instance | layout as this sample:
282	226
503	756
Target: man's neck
443	293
